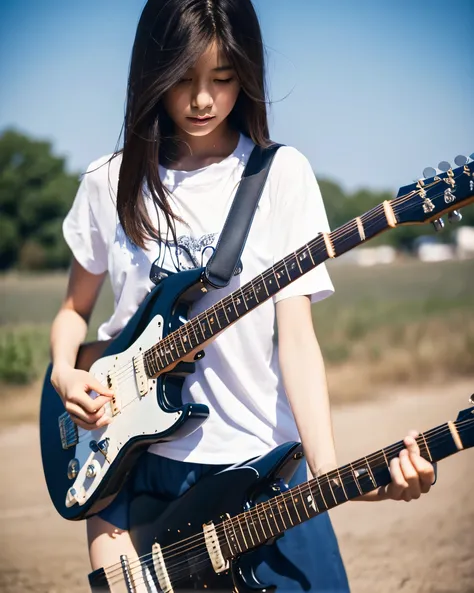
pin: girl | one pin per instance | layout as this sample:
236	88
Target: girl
195	109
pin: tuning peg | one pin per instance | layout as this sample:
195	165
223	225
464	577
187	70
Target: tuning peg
429	172
438	224
454	216
461	160
444	166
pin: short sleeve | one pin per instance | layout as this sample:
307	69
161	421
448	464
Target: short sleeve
299	215
81	230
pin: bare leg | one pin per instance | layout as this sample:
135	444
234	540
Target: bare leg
106	544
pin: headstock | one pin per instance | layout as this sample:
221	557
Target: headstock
465	426
440	192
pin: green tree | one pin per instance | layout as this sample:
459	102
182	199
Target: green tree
36	192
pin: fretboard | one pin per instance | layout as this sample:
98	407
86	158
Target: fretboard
198	330
269	519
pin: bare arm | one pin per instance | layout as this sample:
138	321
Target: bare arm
304	378
68	331
305	383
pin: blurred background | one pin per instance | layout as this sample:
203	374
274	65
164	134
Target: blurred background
372	92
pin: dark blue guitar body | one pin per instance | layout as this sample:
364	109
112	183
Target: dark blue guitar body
171	299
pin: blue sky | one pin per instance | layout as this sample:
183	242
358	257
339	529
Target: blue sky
372	91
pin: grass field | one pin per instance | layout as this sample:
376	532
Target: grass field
407	322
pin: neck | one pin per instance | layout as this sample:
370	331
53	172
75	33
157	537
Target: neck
188	153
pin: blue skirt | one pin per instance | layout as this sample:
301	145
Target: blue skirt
306	558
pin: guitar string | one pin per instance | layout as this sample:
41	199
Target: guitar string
229	299
195	323
126	371
173	572
432	434
258	511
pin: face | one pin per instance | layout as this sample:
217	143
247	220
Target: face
205	96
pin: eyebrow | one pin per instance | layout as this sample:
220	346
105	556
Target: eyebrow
222	68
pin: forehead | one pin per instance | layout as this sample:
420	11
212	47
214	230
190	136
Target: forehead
212	59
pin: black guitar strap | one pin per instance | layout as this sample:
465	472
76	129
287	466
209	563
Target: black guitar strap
225	260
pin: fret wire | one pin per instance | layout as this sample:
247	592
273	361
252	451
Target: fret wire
264	284
342	483
356	479
287	510
267	520
372	477
298	262
184	330
159	361
164	352
208	322
174	343
239	525
155	360
279	510
254	291
239	547
217	316
203	327
313	497
242	295
332	491
276	277
252	522
248	527
427	448
181	340
149	363
261	523
304	500
227	539
387	463
235	307
241	529
320	489
294	504
197	322
195	334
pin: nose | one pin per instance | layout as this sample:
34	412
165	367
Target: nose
201	98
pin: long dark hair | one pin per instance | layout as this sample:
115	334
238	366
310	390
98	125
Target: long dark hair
171	36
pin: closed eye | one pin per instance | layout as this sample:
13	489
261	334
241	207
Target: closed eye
224	80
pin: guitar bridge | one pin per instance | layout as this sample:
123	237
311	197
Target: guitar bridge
67	431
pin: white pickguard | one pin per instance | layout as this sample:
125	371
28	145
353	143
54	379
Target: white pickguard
137	414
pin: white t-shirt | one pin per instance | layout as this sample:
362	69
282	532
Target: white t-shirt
239	378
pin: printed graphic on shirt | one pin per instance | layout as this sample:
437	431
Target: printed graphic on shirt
190	252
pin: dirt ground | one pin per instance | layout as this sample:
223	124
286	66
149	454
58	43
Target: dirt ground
425	546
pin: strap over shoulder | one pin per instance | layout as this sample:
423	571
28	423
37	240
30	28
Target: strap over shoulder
226	257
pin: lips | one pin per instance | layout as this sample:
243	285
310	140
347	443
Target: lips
202	119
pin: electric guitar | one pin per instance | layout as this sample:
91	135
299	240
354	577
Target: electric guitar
197	541
147	363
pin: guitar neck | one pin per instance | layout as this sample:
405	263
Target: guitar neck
305	501
227	311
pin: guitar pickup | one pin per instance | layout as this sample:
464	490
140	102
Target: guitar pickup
113	405
141	377
67	431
